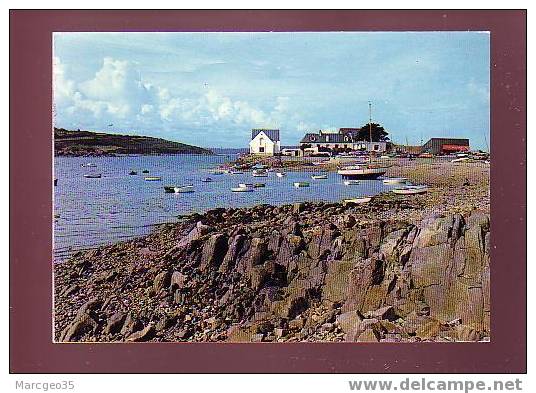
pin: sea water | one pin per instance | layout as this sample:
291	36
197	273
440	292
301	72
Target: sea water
91	212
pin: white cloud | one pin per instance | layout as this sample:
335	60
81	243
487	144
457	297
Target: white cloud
63	88
117	94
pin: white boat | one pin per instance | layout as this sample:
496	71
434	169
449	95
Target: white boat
362	172
299	184
319	177
217	172
242	189
89	165
183	189
395	180
259	173
461	159
356	200
280	174
245	185
236	173
207	180
411	190
350	182
152	178
93	176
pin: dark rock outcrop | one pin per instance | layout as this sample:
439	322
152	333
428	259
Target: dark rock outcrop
313	272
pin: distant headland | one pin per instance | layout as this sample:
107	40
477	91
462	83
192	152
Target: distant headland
88	143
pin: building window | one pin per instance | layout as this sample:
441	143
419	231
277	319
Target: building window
336	146
376	147
261	149
261	141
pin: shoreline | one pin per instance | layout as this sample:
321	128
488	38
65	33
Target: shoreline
267	273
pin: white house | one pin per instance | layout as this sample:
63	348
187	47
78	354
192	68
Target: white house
264	141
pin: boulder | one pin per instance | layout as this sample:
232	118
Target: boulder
256	255
130	325
466	333
145	334
429	330
115	323
178	280
161	281
234	252
198	231
214	251
387	313
296	324
350	324
369	335
365	289
83	324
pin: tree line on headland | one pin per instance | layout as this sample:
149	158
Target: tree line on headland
88	143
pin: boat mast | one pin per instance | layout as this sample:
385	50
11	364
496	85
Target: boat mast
370	130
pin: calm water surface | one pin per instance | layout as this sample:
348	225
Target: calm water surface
119	206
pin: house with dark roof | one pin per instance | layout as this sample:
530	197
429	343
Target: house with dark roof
264	141
342	141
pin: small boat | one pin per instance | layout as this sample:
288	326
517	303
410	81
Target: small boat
259	185
319	177
461	159
207	180
145	171
280	174
350	182
185	188
246	185
89	165
356	200
395	180
236	172
362	172
133	173
55	182
242	189
217	172
410	190
153	178
169	189
299	184
93	176
259	173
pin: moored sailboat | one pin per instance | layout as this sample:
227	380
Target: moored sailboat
367	171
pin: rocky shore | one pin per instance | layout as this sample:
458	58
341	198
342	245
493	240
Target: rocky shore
396	269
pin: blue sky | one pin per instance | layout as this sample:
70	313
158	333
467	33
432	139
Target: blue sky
210	89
